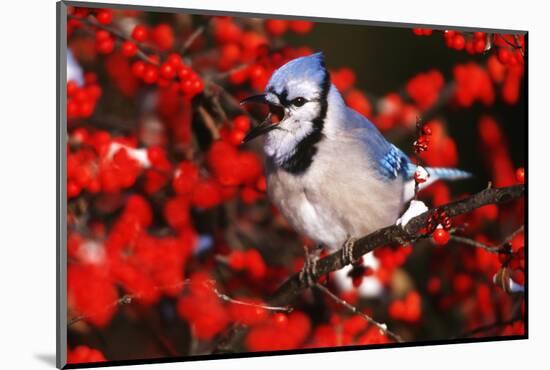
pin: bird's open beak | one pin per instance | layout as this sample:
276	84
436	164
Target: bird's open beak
268	123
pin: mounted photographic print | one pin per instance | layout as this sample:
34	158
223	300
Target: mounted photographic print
235	185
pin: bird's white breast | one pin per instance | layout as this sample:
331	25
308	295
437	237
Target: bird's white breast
338	197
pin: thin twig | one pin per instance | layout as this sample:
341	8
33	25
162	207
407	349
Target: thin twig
226	298
515	46
492	326
191	39
209	122
124	300
229	72
489	248
381	326
516	39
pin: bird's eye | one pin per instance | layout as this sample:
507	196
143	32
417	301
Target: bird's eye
298	102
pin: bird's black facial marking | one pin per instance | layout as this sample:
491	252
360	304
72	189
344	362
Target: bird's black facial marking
282	96
306	149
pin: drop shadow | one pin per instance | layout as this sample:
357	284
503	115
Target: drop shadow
47	358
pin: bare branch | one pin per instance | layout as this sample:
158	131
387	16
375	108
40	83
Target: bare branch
489	248
209	122
382	327
191	39
92	22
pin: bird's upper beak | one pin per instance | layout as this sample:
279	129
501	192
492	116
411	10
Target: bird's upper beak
267	124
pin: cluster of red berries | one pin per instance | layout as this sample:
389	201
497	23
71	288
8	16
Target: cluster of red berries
497	155
171	73
422	31
509	49
408	309
149	68
278	27
279	332
507	76
202	308
236	133
443	150
249	261
344	79
424	89
473	83
81	100
84	354
439	224
505	64
233	168
423	138
100	163
346	331
144	265
472	43
436	218
390	259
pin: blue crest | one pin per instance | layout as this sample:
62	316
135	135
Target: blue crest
311	67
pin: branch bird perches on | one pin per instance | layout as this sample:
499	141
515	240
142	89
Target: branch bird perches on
293	286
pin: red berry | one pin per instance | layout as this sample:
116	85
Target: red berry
198	85
276	27
72	88
300	27
105	46
102	35
129	48
459	42
520	175
167	71
138	68
504	55
150	75
186	177
441	236
280	319
479	45
479	35
236	137
163	36
237	260
241	123
426	130
187	87
184	72
105	16
139	33
175	60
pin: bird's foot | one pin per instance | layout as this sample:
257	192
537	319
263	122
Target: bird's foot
347	251
308	274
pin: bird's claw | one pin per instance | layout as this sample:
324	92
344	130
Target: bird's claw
308	273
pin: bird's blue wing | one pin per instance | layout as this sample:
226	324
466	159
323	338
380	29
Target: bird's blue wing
395	163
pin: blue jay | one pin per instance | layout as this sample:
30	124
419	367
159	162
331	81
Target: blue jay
329	170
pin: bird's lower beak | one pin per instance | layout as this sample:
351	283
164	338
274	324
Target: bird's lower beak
275	115
261	129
